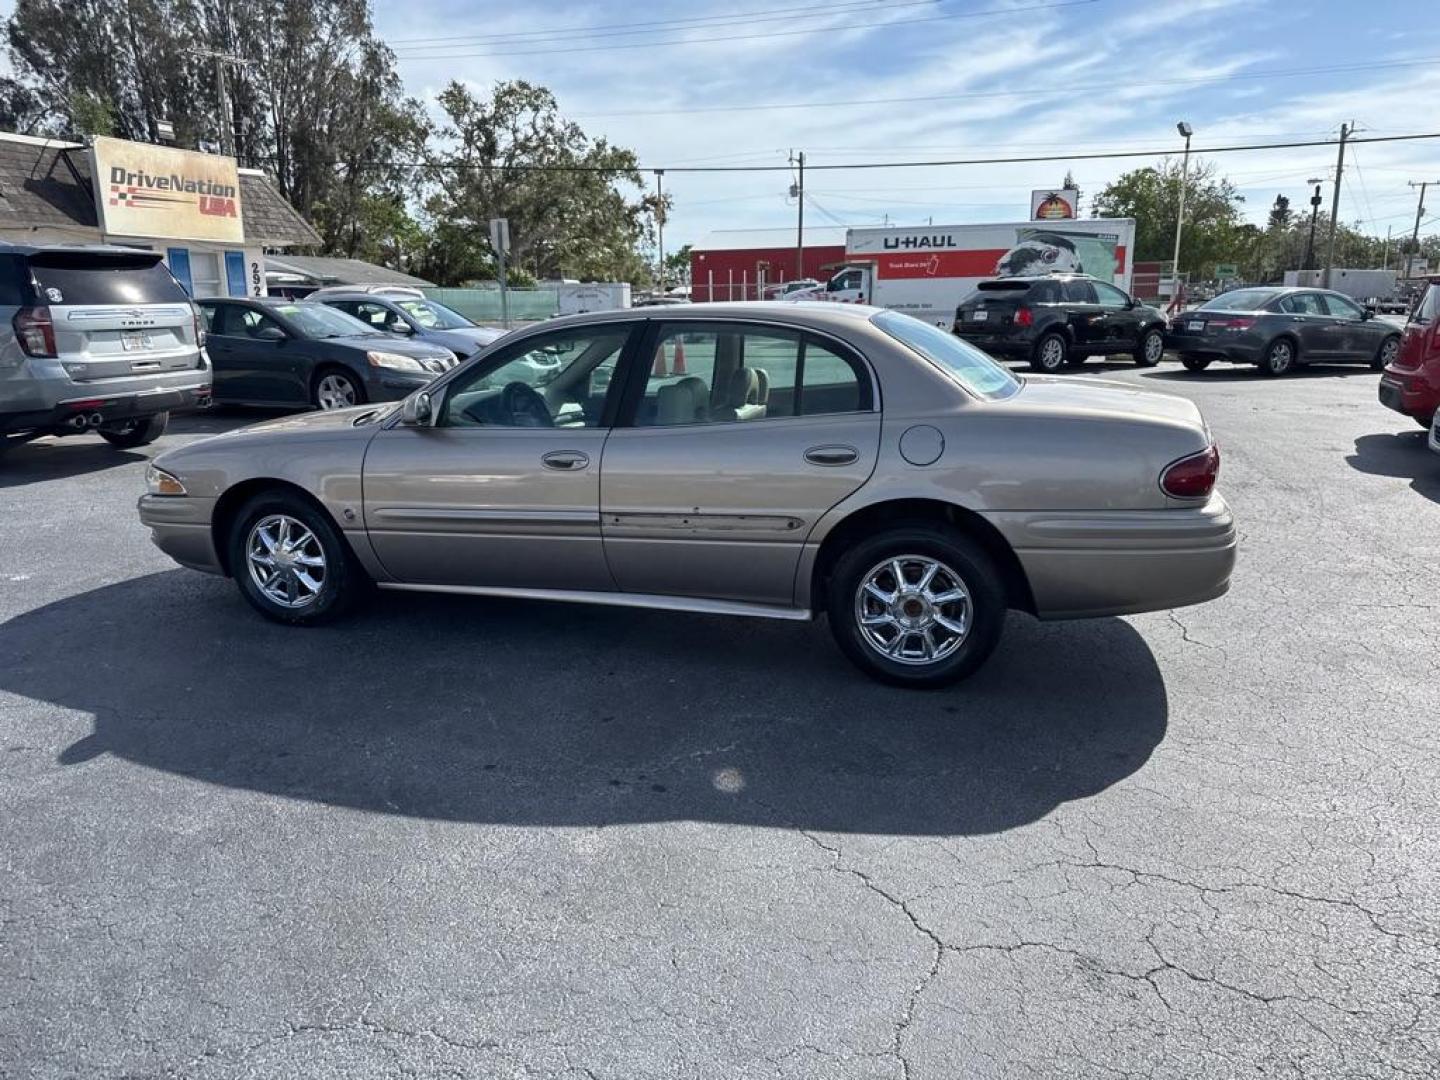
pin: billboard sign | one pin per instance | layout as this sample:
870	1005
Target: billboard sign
158	191
1048	204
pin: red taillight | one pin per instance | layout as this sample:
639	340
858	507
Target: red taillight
1024	317
35	331
1192	477
1237	322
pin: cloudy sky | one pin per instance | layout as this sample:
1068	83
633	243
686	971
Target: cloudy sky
747	81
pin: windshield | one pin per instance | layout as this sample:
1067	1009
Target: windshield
319	321
433	316
1240	300
967	365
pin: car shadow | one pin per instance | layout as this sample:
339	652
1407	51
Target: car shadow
1405	455
1247	373
51	458
554	714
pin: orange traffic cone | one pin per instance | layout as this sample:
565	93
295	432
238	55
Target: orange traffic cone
659	367
678	367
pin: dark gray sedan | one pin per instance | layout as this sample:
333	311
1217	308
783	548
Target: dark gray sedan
1278	329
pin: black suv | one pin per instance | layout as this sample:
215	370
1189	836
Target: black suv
1059	320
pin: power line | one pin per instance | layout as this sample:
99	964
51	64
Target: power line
655	26
810	30
1056	90
836	166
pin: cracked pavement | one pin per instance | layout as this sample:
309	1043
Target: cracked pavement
458	838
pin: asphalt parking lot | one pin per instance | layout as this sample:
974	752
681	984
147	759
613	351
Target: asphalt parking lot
465	838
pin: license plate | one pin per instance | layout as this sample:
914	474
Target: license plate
1195	325
130	340
979	316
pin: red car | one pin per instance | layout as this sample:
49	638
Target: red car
1411	383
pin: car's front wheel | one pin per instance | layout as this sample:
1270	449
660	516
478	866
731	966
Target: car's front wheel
1386	354
290	561
918	606
1052	352
336	389
139	431
1150	349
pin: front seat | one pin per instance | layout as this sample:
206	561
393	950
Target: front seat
682	402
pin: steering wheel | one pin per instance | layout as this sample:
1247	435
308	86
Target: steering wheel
525	406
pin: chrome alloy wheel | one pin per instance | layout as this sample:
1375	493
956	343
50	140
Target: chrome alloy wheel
1389	351
285	560
913	609
1154	348
1281	356
335	392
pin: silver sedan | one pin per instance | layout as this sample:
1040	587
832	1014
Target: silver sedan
779	461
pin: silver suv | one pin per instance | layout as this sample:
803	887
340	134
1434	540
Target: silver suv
100	339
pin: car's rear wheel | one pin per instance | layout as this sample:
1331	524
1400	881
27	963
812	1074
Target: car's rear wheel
1195	363
1052	352
1279	358
290	561
336	389
919	606
1386	354
1150	349
138	431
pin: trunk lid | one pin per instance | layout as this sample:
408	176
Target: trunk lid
116	315
991	308
1101	397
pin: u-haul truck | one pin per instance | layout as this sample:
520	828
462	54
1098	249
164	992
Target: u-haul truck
926	272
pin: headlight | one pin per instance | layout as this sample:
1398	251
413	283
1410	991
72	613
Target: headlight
394	361
160	482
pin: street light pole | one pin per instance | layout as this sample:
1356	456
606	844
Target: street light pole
660	227
1415	235
1335	208
1185	130
1315	200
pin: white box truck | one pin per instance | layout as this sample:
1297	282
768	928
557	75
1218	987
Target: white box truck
926	272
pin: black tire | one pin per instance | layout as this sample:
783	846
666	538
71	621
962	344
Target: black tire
1195	363
959	558
140	431
1151	348
332	381
1387	352
1051	354
340	581
1280	358
1076	360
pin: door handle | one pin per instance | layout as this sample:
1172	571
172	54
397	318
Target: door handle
832	455
565	460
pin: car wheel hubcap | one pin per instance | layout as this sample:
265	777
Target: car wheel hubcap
285	560
1053	354
335	392
913	609
1154	346
1280	357
1389	352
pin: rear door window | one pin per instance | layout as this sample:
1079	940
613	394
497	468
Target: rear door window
88	278
1078	292
1303	304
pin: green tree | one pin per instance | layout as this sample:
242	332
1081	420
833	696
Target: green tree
565	194
1213	230
677	266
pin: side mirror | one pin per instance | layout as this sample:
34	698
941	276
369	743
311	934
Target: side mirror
270	333
417	410
400	326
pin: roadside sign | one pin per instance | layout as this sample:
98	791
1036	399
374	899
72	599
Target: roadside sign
500	234
1227	271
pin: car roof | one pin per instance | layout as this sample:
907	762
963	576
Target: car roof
1031	279
802	312
8	248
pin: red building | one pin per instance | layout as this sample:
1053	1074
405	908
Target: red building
737	264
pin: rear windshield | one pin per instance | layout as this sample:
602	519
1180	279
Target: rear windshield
87	278
964	363
1240	300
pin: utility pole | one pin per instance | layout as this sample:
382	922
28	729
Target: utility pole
798	190
660	226
1415	235
222	94
1335	207
1315	201
1388	230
